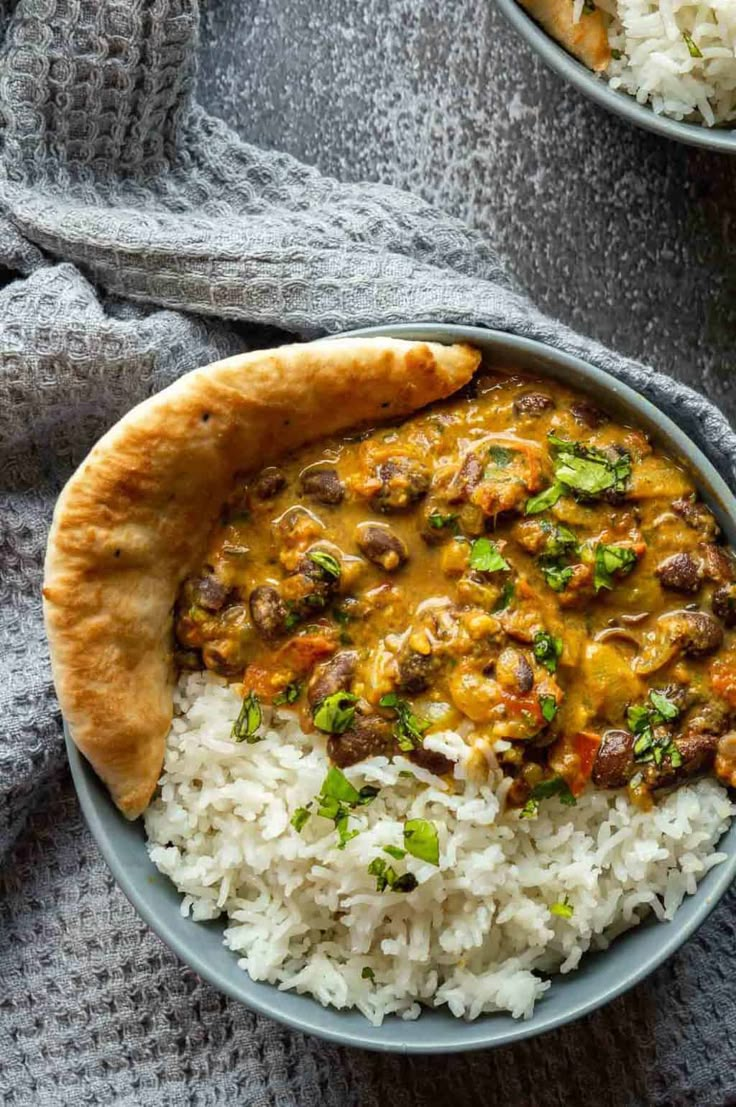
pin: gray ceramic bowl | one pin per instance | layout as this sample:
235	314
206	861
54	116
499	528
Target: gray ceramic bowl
601	977
597	88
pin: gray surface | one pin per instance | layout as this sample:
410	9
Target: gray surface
93	1010
624	236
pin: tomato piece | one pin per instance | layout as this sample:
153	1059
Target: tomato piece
586	744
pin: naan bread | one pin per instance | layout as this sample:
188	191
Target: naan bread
587	39
134	521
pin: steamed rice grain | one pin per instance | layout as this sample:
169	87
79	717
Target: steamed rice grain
476	935
678	57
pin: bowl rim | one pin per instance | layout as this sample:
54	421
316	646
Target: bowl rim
623	104
99	812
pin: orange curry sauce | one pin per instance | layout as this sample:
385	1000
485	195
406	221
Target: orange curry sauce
512	563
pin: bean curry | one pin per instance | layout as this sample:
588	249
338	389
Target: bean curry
511	563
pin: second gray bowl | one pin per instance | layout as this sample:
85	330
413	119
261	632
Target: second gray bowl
598	89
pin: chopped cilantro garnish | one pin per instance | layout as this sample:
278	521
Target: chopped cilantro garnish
386	877
547	650
642	720
408	728
692	47
543	500
439	521
367	973
290	694
501	456
556	577
563	909
555	786
506	596
421	840
610	560
548	706
587	471
395	851
486	557
335	713
299	818
248	722
560	540
337	798
329	565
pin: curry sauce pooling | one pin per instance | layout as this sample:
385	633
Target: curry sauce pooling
512	564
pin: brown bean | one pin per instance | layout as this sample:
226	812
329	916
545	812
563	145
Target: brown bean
268	483
614	760
381	546
335	675
268	611
697	751
695	632
718	563
697	516
323	485
414	672
468	477
723	603
533	404
588	414
369	736
432	761
404	481
680	573
210	593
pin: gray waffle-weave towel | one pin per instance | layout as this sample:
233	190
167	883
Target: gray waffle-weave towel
140	238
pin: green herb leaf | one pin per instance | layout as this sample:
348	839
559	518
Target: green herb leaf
337	786
506	596
548	705
501	456
329	565
438	521
421	840
560	540
367	973
563	910
335	713
616	55
341	826
547	650
642	719
299	818
378	868
543	500
666	708
692	47
557	578
408	728
555	786
586	470
486	557
292	618
395	851
290	694
610	560
248	721
530	809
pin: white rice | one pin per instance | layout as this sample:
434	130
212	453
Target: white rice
476	934
656	65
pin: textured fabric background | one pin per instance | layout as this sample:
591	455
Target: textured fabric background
139	238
